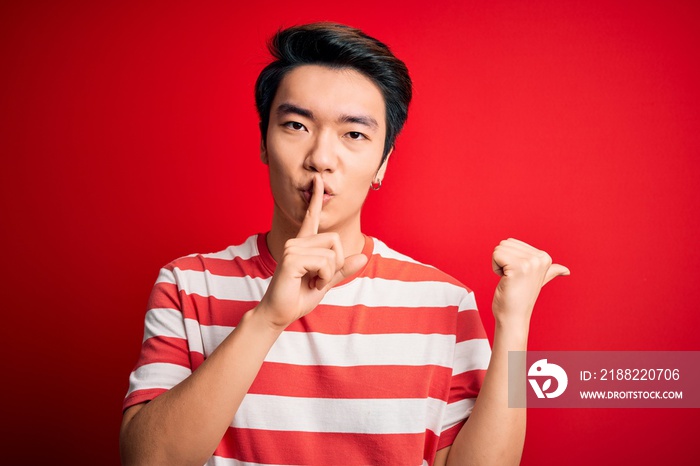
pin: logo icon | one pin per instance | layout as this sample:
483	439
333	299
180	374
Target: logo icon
542	368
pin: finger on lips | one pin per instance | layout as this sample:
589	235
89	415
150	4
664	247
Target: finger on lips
313	214
321	253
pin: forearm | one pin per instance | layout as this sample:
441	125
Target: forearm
494	434
185	424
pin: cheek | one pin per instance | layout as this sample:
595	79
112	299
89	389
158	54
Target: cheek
284	158
277	165
362	176
276	173
360	187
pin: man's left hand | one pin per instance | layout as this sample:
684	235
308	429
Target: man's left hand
524	270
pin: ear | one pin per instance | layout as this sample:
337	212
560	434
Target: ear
263	152
382	168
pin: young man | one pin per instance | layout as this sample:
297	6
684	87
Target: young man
315	344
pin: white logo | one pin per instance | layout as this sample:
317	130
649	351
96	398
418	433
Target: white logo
542	368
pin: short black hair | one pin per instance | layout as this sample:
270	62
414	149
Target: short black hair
336	46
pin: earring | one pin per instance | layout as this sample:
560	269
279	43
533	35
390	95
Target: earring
375	185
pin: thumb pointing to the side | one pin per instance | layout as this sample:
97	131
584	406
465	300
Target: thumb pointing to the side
555	270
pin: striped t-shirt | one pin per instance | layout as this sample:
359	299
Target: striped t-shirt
384	371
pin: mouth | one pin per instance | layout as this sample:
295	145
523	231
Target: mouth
308	191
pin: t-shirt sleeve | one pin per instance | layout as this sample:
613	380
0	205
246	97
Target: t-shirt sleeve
471	358
165	359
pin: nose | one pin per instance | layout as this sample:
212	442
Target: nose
322	156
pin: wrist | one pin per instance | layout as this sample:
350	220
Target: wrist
514	317
256	320
512	333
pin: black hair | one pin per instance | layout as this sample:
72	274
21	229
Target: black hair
336	46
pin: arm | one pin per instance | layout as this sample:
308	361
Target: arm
494	434
185	424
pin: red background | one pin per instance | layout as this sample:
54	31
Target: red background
128	138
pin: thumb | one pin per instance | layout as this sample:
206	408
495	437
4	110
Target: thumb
352	265
555	270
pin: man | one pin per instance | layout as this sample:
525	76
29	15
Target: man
314	344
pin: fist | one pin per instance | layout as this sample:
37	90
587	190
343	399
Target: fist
524	270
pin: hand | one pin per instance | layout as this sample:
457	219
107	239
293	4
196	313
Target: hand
524	270
311	264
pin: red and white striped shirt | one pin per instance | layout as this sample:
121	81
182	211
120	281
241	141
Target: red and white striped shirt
383	372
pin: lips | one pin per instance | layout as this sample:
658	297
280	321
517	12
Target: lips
308	190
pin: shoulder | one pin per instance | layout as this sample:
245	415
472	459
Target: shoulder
418	279
405	267
246	250
237	260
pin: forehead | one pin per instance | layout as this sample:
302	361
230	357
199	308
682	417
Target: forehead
329	92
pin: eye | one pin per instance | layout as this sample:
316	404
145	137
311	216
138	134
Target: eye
295	125
356	135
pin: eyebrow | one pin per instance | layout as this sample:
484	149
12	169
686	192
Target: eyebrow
285	109
365	120
360	119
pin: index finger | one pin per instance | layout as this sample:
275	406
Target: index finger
313	214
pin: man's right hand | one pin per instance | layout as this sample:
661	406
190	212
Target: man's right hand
311	264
